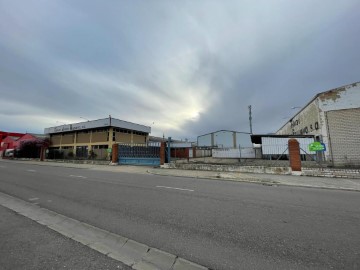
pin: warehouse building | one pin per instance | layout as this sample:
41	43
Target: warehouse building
224	139
96	136
333	118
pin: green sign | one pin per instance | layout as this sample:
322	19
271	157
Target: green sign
317	146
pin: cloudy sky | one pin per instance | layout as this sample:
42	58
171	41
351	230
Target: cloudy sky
184	67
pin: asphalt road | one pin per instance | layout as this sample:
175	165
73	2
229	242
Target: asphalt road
218	224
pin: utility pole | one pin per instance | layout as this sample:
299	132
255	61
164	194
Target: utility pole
250	119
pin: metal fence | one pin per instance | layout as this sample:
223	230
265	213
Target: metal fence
79	154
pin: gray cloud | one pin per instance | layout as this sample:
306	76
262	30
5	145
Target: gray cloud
191	67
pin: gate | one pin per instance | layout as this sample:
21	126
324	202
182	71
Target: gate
139	154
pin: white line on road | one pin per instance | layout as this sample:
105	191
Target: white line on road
78	176
184	189
31	170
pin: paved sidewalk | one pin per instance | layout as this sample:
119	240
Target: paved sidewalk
26	244
265	179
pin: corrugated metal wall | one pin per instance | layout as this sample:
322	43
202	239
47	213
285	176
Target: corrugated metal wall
344	133
278	146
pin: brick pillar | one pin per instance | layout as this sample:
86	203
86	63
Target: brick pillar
42	153
294	155
115	153
162	153
194	152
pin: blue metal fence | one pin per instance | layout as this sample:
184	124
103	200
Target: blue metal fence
139	154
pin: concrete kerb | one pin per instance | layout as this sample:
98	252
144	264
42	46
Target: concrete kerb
129	252
253	181
156	259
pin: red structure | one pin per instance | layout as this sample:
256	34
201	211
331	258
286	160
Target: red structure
17	141
8	140
4	134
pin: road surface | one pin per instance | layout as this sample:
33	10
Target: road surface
218	224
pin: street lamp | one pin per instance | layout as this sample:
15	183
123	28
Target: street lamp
84	118
295	107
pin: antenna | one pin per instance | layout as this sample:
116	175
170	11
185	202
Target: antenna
250	119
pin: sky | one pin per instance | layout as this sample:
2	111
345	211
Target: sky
185	68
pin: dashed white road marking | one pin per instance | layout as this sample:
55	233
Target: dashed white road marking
78	176
1	166
31	170
33	199
183	189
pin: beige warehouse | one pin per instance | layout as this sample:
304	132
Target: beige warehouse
96	135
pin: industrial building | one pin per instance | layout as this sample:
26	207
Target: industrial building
333	118
96	136
224	139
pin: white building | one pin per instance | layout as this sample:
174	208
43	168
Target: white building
333	117
225	139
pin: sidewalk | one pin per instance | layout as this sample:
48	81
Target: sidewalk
26	244
265	179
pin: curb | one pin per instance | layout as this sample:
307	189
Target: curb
264	183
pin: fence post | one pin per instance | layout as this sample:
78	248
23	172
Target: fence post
115	153
294	156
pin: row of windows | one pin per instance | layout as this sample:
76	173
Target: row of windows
140	133
100	130
122	130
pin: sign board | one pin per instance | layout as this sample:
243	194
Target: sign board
317	147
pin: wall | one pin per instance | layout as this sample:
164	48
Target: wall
99	136
234	153
224	139
67	139
83	138
344	133
122	137
306	122
139	139
205	140
243	139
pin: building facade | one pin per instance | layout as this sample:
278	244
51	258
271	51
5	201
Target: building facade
333	117
225	139
96	136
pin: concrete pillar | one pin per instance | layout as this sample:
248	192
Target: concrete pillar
294	155
115	153
194	151
162	153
